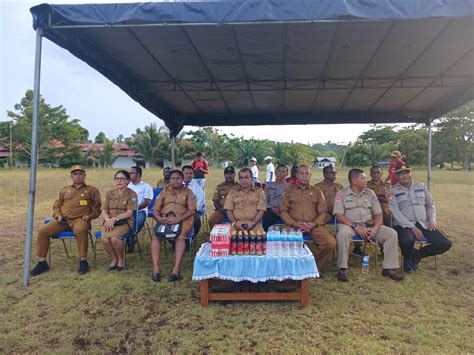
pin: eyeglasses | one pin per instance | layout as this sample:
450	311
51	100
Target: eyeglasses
121	179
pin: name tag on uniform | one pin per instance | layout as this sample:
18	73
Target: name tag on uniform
83	202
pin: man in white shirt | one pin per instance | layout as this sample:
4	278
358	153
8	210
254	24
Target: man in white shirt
270	177
198	191
254	169
145	195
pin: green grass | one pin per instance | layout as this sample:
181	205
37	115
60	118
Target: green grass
110	312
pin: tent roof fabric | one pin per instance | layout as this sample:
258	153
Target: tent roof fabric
276	62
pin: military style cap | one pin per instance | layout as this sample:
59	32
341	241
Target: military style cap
229	168
77	167
268	158
253	159
402	168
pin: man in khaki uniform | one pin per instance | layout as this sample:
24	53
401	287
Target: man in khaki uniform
358	211
304	207
329	186
220	194
175	204
165	181
245	204
77	205
381	190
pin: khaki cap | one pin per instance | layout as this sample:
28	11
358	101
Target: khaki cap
396	154
77	167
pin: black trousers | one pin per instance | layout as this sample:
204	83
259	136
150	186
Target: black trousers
439	242
269	219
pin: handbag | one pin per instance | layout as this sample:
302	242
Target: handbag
167	231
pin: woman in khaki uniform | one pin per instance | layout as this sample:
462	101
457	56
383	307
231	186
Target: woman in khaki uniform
176	204
117	212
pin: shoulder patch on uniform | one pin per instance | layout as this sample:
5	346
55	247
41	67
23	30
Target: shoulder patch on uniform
338	197
390	197
134	199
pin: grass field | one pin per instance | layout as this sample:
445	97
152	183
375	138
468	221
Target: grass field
429	312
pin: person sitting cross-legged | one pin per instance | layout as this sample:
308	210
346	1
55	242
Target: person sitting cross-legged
414	216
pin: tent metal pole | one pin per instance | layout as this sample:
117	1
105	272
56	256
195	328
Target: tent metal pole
173	163
429	154
34	159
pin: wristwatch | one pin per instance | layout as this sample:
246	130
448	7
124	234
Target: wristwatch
353	225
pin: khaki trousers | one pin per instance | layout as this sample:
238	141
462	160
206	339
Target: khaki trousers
215	218
385	236
79	227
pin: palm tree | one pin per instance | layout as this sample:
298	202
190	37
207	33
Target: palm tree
107	155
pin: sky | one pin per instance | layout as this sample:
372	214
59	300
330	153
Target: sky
97	102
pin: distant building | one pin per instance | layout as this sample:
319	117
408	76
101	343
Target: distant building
4	155
322	162
125	156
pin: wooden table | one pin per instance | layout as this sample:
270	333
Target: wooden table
301	294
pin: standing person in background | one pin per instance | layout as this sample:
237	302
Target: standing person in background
396	161
270	176
254	169
200	169
381	190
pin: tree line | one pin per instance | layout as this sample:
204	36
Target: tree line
59	136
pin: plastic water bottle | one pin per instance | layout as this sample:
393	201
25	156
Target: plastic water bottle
365	264
270	242
277	241
300	242
292	242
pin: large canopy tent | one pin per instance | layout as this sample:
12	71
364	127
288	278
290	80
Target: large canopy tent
270	62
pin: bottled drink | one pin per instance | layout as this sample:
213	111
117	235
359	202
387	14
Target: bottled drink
300	242
246	243
264	242
233	243
269	241
240	243
365	264
252	246
284	242
258	247
277	238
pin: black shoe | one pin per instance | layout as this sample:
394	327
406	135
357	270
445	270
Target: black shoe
41	267
83	267
392	274
358	251
173	278
407	265
112	267
415	259
342	275
156	277
120	268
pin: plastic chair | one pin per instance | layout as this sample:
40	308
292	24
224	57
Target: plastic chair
133	231
156	192
62	236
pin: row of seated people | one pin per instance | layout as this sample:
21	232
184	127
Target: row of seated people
362	208
79	203
302	206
